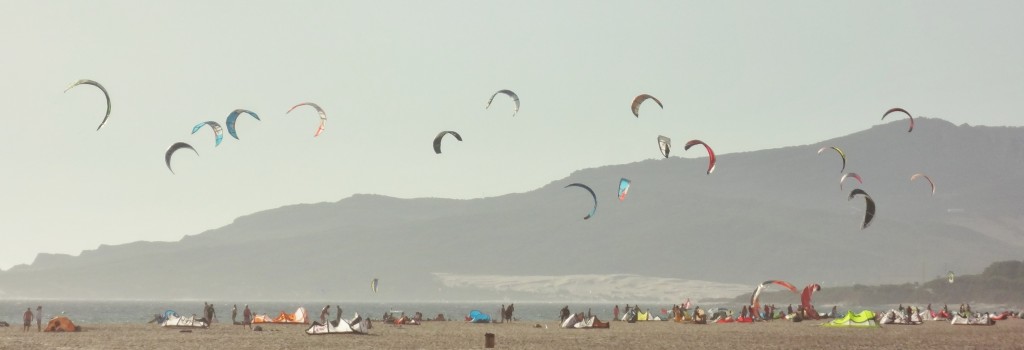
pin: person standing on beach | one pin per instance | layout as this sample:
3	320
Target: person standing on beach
39	318
324	313
247	317
615	312
28	319
213	315
234	313
501	313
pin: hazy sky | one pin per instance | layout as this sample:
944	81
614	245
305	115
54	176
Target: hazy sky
740	75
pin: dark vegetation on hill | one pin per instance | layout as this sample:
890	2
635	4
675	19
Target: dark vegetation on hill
1001	283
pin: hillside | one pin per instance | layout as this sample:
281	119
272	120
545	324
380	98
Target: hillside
769	214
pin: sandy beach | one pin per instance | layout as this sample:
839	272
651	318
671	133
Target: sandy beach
523	335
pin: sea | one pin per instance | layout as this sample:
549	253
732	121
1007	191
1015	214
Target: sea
108	312
136	312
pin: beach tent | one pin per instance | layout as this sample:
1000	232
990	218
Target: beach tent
863	319
355	326
299	317
61	324
476	316
171	319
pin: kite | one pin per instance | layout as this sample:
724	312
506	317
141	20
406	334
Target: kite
805	300
217	131
849	175
585	187
755	303
665	145
897	109
623	188
711	154
373	285
105	94
841	155
869	212
234	117
174	148
437	139
511	94
915	176
640	99
320	111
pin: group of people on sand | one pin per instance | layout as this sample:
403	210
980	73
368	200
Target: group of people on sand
682	313
246	316
325	314
565	313
403	319
209	314
29	316
506	312
964	311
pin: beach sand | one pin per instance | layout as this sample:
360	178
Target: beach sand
1007	334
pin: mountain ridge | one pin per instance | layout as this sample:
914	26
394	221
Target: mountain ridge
774	213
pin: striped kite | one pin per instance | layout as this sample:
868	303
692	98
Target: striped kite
320	111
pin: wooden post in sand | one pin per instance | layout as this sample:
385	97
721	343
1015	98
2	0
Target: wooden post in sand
489	340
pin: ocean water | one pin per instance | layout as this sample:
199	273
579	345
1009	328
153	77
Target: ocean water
106	312
98	312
